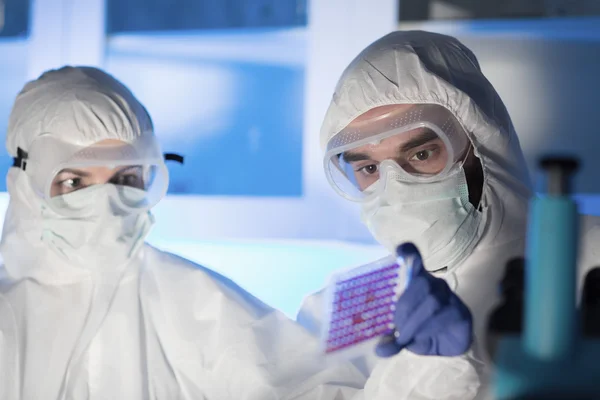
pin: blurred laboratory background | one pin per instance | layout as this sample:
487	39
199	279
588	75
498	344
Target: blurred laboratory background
239	87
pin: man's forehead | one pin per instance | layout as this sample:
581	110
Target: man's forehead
381	110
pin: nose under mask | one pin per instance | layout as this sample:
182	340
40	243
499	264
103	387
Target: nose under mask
436	216
104	232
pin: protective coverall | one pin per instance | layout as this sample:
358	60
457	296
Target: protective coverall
416	67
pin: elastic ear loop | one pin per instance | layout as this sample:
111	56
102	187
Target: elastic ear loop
467	154
462	163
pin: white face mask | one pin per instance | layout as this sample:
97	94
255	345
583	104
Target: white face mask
437	217
104	235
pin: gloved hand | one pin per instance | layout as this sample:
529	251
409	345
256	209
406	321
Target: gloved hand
430	319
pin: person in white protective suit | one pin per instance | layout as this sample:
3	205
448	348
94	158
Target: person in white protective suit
87	309
420	138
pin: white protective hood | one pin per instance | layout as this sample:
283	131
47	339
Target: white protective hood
78	105
81	105
422	67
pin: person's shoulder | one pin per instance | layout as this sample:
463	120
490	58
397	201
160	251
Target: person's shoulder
589	231
589	223
170	263
5	280
180	275
6	284
589	251
179	269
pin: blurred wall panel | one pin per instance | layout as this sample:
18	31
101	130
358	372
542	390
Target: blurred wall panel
241	97
14	62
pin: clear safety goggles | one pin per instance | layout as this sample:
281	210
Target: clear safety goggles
57	168
424	142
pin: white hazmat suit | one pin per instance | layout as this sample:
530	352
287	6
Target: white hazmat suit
416	67
113	318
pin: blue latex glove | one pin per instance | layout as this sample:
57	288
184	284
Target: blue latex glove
430	319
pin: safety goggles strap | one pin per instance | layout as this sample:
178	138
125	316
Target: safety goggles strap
20	161
174	157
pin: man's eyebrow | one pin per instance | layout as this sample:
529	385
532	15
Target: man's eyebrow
419	140
125	170
349	156
77	172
